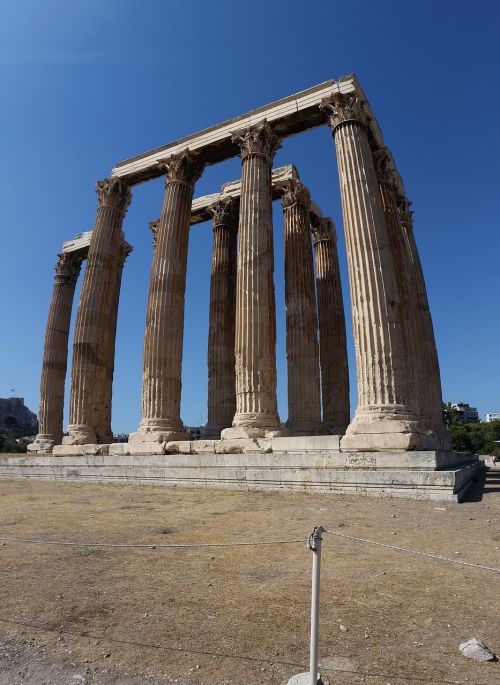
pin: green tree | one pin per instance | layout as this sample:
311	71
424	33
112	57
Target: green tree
451	416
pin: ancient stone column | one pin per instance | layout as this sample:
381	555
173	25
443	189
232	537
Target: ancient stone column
90	348
383	418
304	405
221	367
422	367
255	347
332	335
105	381
161	381
428	377
55	353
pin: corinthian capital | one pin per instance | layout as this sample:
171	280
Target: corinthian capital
323	229
113	192
295	193
68	267
341	109
224	212
184	166
257	140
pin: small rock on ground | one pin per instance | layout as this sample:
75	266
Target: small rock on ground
475	649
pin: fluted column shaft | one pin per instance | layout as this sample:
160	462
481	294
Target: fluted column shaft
255	347
383	419
304	405
332	334
55	353
221	334
105	381
422	366
161	381
428	377
90	340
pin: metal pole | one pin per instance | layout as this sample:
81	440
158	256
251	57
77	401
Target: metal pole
314	543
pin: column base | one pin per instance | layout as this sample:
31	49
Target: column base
244	432
80	435
43	444
389	427
150	434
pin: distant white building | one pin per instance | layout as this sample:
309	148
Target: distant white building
492	416
467	414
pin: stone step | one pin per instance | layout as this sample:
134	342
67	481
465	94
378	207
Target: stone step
246	474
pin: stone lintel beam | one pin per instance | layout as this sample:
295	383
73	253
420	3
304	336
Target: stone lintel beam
281	176
288	116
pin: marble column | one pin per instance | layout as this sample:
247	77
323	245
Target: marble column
424	385
428	377
161	381
332	335
221	335
105	381
255	346
383	419
304	404
90	349
55	353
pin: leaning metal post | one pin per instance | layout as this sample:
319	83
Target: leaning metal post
314	544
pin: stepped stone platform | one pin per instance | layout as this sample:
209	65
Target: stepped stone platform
306	464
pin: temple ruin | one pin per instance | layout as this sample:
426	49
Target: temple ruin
398	421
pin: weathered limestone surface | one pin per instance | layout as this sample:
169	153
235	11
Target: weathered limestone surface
221	334
104	388
55	353
255	348
289	471
90	348
427	364
304	407
161	383
383	418
332	335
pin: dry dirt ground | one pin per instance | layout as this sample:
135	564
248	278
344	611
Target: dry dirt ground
240	615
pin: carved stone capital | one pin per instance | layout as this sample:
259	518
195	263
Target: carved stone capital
224	212
295	193
341	109
68	267
153	225
114	192
259	140
323	229
184	167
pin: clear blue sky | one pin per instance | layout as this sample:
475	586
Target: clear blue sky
87	83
